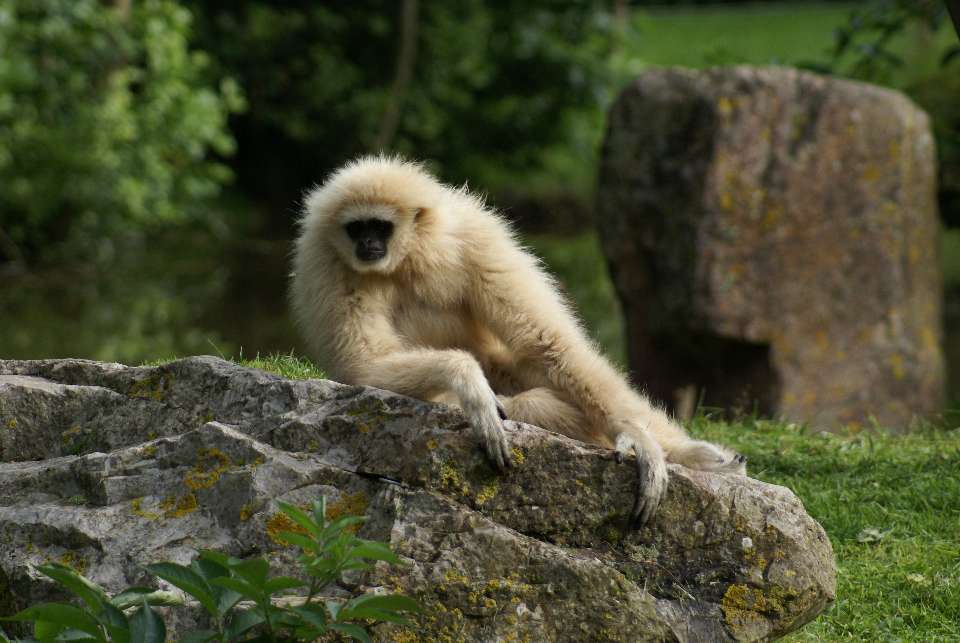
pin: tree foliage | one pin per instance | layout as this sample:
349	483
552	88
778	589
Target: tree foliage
490	83
869	46
107	122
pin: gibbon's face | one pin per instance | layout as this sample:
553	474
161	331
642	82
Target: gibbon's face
373	238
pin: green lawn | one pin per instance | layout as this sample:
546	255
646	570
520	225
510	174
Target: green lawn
755	34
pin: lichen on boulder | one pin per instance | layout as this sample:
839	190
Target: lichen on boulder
195	453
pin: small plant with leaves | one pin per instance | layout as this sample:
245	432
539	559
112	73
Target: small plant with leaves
239	595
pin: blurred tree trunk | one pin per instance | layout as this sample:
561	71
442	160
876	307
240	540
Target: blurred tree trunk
953	8
406	57
122	7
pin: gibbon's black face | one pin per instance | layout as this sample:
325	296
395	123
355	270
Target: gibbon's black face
370	238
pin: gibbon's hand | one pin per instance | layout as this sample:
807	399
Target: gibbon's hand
651	474
486	416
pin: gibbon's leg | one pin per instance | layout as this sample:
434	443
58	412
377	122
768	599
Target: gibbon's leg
521	305
705	456
547	409
426	373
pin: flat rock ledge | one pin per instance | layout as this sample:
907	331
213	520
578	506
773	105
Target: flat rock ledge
106	468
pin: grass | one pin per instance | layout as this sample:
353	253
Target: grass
756	34
284	365
891	507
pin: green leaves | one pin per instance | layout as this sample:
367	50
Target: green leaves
238	594
146	626
112	130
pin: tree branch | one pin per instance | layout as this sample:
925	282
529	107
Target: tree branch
406	57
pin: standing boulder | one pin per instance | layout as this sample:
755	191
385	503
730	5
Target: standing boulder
772	235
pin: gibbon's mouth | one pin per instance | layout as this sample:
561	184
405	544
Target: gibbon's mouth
371	254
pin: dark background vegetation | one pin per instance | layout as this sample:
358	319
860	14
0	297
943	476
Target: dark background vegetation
153	152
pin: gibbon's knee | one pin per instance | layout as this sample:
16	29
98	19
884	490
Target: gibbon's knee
547	409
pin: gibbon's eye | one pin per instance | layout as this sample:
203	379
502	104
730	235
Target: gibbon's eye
355	229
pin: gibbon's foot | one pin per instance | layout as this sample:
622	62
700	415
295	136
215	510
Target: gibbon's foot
651	478
488	427
697	454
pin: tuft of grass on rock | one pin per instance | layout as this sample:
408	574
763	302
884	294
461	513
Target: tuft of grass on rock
285	365
891	507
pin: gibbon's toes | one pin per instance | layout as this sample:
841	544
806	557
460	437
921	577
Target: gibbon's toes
740	459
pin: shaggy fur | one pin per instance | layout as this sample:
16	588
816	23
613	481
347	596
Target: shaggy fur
458	310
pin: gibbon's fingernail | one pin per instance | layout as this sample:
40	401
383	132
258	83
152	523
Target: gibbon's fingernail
618	457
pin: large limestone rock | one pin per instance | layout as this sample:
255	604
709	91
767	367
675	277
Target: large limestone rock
106	468
772	235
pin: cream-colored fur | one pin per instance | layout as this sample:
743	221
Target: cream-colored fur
459	311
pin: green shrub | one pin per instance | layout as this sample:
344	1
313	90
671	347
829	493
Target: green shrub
107	121
236	594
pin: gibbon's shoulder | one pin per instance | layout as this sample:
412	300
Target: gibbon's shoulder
395	181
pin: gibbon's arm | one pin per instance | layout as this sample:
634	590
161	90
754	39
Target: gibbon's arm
376	360
522	305
515	298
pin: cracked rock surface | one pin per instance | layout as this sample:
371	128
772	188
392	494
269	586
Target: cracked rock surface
107	468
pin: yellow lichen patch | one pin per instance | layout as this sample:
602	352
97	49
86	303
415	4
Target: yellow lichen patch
431	444
726	202
11	423
67	435
179	506
404	636
745	606
897	366
210	464
257	462
518	456
74	561
279	523
363	427
871	174
725	106
487	492
154	387
452	480
246	511
149	450
453	576
136	507
349	504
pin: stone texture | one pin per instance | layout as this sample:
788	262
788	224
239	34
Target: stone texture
107	468
773	238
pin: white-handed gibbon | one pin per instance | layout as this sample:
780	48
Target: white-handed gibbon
406	284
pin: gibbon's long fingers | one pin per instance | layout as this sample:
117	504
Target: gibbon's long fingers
643	508
651	483
488	427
